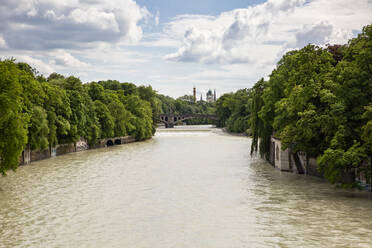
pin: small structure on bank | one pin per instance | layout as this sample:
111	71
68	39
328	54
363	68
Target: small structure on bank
284	160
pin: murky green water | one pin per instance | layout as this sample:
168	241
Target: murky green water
181	189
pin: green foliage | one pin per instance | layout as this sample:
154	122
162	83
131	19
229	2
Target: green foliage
223	110
38	129
233	110
141	117
96	91
316	101
185	105
105	119
259	131
13	129
304	111
61	110
57	105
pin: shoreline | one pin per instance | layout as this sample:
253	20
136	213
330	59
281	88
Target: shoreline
224	129
28	156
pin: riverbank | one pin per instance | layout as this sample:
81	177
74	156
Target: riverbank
234	134
205	182
300	163
28	156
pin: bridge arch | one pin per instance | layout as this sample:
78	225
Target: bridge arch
170	120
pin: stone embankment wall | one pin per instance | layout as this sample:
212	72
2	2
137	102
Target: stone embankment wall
285	161
29	156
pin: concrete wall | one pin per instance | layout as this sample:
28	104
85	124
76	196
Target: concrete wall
127	139
40	154
29	156
26	157
281	158
284	161
64	149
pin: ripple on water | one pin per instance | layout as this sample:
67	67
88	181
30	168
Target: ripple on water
183	188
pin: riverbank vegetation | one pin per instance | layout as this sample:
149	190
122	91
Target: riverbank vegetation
186	105
317	100
37	112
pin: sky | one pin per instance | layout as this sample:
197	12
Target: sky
172	45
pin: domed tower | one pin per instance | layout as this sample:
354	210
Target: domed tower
209	96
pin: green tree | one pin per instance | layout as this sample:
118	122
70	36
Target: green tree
142	113
260	132
350	149
38	129
308	107
13	129
105	119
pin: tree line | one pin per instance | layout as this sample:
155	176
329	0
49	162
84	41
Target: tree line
37	112
317	100
187	105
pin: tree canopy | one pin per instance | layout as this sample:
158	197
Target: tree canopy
318	101
38	112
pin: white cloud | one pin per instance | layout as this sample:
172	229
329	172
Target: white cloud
95	17
3	44
118	39
318	34
257	34
157	18
65	59
40	65
54	24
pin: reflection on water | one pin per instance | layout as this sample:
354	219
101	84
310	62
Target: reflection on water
181	189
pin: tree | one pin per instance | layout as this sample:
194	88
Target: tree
105	119
142	118
38	129
305	112
13	129
57	106
350	149
258	129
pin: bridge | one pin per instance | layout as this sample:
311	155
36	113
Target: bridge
170	119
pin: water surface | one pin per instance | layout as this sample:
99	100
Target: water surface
192	187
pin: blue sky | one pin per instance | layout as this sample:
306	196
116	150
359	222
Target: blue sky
170	9
172	45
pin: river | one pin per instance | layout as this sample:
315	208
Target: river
196	187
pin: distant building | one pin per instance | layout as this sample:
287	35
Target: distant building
211	97
194	93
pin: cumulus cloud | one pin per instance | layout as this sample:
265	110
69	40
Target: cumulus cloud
40	65
258	34
52	24
318	34
228	43
157	18
65	59
3	44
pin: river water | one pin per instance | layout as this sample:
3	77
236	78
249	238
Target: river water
183	188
